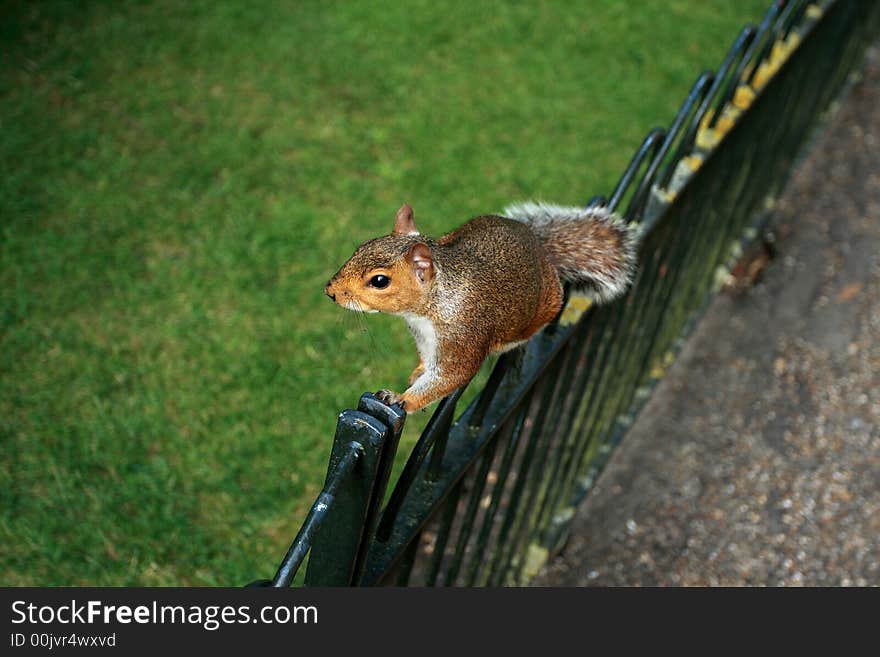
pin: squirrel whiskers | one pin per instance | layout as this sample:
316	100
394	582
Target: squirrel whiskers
484	288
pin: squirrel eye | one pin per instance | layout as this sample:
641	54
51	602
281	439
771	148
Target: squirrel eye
379	281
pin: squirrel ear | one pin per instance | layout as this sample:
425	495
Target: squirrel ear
403	222
422	261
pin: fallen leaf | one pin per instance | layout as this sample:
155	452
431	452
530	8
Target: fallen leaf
848	292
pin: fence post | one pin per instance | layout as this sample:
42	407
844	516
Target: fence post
393	417
337	543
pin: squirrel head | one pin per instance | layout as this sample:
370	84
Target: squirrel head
389	274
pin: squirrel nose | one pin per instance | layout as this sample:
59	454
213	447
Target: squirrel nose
329	293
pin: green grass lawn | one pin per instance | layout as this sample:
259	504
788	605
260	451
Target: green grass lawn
178	182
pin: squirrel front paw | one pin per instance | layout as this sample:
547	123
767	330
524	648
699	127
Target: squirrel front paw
389	398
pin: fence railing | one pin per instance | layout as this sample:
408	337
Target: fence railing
486	496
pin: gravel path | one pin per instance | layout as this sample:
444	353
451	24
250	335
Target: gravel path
757	461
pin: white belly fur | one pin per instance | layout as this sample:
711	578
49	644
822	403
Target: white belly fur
425	335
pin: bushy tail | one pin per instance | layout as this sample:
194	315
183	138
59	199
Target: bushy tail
591	247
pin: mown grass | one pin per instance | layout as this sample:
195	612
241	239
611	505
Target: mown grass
178	182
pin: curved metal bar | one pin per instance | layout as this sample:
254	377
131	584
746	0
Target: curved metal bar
755	46
303	541
697	92
659	142
795	18
739	45
774	35
711	82
650	143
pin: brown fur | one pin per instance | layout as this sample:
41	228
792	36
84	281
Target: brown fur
482	287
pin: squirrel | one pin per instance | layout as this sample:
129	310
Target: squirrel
486	287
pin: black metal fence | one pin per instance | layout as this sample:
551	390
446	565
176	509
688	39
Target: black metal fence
486	496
